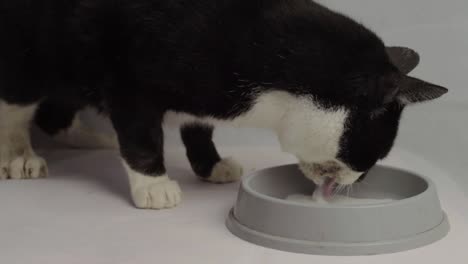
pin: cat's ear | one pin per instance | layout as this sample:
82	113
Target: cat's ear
405	59
412	90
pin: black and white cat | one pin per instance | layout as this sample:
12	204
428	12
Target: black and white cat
327	85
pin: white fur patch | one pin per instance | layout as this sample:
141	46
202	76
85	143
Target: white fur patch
150	192
311	132
81	136
17	158
225	171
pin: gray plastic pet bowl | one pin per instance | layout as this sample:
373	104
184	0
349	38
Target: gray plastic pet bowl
263	216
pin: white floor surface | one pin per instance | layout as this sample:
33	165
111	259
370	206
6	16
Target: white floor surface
82	214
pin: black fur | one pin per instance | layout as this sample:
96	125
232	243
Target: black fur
368	138
201	150
137	59
54	117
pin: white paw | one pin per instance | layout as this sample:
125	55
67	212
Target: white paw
153	192
225	171
156	193
23	167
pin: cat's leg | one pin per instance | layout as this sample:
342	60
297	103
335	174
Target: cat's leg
204	158
141	146
17	158
63	123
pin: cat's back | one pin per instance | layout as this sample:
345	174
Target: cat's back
32	34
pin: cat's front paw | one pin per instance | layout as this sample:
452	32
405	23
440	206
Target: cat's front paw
225	171
156	193
22	167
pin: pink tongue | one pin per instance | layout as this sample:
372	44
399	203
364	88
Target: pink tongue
328	187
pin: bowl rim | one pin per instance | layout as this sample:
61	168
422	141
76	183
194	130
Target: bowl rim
245	185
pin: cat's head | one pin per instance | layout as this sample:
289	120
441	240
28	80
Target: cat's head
345	91
344	139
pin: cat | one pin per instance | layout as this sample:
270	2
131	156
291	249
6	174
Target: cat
327	85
